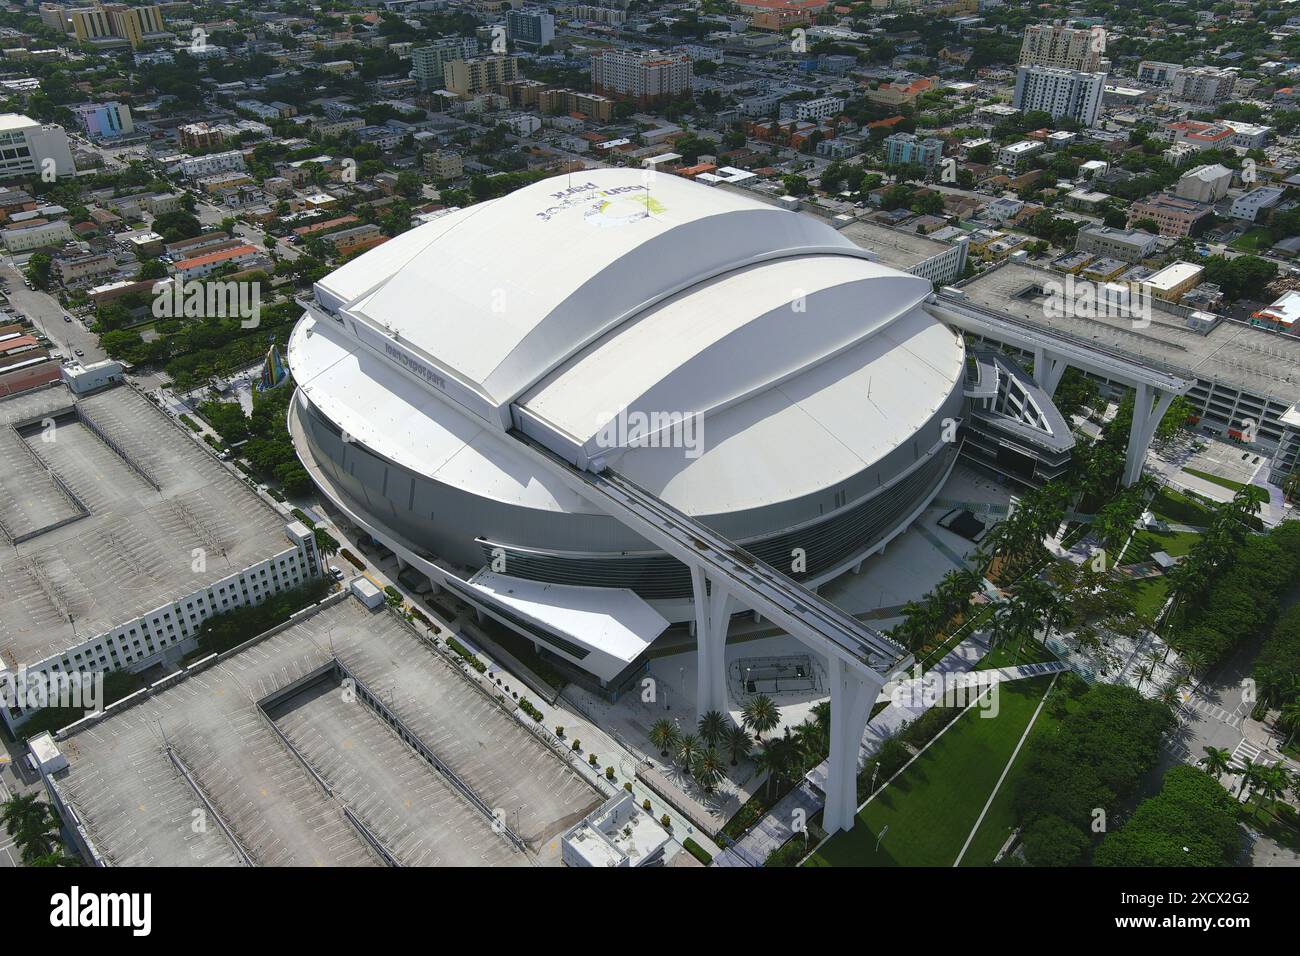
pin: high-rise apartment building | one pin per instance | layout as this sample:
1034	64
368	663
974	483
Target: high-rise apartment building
1203	84
482	74
530	28
1062	47
116	24
428	63
906	149
1062	93
643	75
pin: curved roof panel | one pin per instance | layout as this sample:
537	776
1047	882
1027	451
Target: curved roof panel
503	292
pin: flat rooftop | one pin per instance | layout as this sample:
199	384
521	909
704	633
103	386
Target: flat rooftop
1240	356
222	721
106	534
902	250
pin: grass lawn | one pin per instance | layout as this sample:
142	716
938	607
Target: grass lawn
1149	596
1253	241
1001	818
1146	542
931	807
1180	509
1215	479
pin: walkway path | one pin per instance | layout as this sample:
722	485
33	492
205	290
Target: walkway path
777	826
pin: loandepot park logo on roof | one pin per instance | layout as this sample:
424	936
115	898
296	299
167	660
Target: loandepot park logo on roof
616	206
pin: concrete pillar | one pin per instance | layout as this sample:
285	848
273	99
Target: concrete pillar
401	565
712	614
853	692
1048	370
1149	406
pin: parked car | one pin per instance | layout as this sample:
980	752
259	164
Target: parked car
78	353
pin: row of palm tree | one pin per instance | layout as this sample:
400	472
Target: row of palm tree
1267	783
699	752
1231	522
34	827
925	619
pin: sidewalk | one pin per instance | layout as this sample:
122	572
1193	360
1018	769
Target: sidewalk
777	825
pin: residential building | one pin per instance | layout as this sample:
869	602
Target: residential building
346	242
210	262
823	107
1204	183
35	234
899	94
1203	84
1061	93
1016	155
556	102
195	167
201	135
444	164
70	269
1155	73
530	27
1173	216
1128	245
646	76
1062	47
30	148
116	24
905	149
482	74
428	63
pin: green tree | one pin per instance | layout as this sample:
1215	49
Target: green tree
664	736
707	769
737	743
1217	761
712	727
760	714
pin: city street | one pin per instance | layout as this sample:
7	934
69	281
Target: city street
46	314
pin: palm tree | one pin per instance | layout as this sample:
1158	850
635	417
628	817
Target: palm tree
1250	775
1216	761
1289	719
664	735
31	823
1144	674
688	746
1270	783
774	756
1169	695
1194	661
712	726
737	743
707	769
760	715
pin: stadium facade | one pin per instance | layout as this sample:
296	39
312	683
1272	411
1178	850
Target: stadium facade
746	364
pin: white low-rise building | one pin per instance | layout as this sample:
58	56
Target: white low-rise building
616	834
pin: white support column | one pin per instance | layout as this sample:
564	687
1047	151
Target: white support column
852	694
1048	369
1056	368
712	615
1149	406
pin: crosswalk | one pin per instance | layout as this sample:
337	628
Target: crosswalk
1245	751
